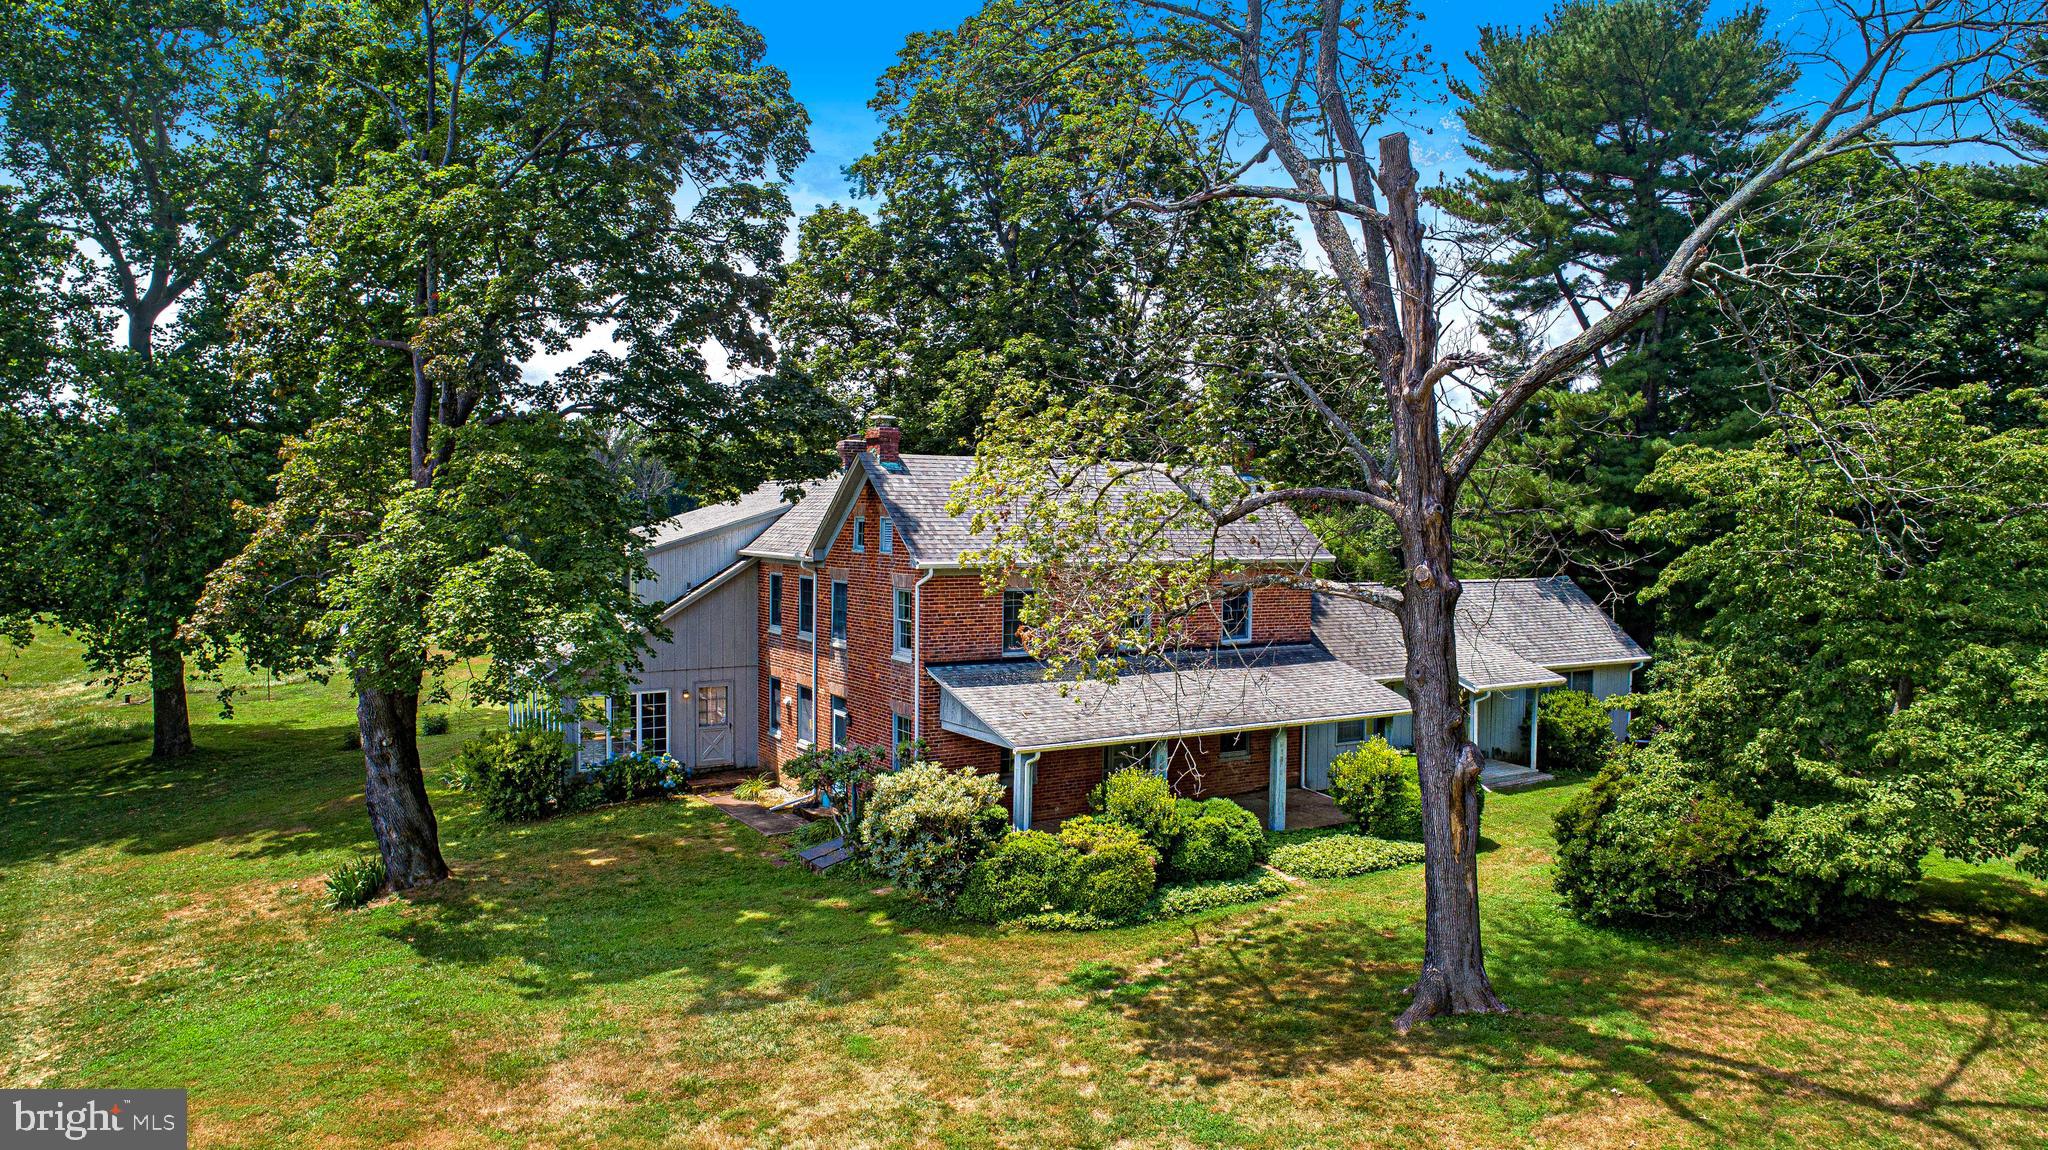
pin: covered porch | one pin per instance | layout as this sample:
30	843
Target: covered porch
1228	723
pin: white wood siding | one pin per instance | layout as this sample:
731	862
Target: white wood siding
685	565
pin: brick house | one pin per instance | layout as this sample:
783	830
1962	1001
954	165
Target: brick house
867	629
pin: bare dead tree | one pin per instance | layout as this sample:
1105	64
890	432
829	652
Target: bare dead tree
1282	99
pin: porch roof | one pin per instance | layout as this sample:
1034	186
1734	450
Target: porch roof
1013	704
1369	639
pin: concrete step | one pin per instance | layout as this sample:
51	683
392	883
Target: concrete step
1497	776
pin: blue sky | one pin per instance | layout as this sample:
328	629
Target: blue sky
833	54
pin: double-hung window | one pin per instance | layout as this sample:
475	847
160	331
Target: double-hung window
775	602
1013	621
860	533
899	735
838	611
1351	731
906	621
806	714
774	705
1237	617
886	534
650	721
840	721
806	606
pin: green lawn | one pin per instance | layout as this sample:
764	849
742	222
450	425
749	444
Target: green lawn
650	975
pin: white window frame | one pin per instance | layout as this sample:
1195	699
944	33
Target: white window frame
860	533
775	602
899	733
806	602
905	624
1223	750
842	723
640	727
806	715
1222	617
1021	594
839	612
885	536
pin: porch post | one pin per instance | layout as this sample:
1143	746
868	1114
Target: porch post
1276	782
1472	723
1535	721
1023	781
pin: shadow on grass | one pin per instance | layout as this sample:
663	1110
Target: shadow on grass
672	890
265	791
1285	994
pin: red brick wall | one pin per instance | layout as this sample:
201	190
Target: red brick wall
1066	776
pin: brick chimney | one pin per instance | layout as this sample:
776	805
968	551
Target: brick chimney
848	449
885	439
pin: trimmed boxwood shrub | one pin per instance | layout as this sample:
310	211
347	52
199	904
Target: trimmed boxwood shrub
1217	839
1574	732
1341	856
1143	802
1025	873
518	775
925	827
1177	899
1114	872
1378	787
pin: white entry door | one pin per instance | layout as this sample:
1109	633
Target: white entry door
714	725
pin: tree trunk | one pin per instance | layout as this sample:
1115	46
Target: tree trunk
171	721
395	789
1453	979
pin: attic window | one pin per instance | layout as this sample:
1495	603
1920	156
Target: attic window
886	533
860	533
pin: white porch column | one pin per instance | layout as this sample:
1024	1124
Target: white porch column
1535	721
1472	724
1023	780
1276	783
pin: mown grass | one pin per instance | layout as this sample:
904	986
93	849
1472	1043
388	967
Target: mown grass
652	975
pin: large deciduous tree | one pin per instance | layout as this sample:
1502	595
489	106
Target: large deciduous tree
156	135
1281	101
524	175
995	250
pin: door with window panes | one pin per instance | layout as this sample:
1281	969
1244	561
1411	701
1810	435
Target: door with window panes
714	725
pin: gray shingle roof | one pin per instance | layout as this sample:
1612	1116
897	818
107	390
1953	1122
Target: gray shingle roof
790	536
1369	639
1548	621
1228	689
762	501
1511	633
917	496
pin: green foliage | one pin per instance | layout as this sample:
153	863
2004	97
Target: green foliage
635	776
1064	920
1653	840
519	775
751	789
1379	788
842	775
924	827
1576	733
434	724
355	883
1114	872
1142	801
1217	839
1025	873
1341	856
1174	900
813	833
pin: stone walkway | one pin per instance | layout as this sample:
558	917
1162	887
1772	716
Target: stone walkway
755	815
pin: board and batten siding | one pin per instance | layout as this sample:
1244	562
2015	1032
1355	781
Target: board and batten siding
688	564
714	641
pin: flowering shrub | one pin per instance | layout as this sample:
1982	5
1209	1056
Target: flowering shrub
844	777
925	827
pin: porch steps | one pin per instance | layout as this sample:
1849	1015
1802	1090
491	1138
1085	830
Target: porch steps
718	780
1499	776
826	855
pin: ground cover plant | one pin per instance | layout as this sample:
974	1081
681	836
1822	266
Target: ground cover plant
655	974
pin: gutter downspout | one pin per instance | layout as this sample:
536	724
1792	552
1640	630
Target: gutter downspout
917	656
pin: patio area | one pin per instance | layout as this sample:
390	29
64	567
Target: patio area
1306	810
